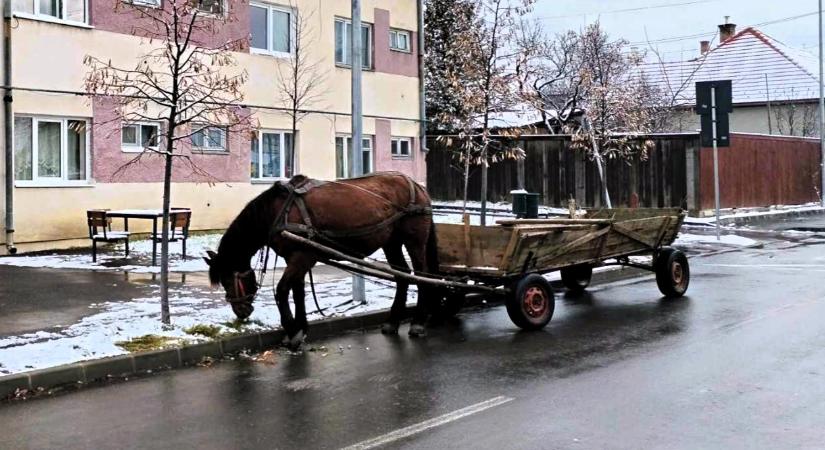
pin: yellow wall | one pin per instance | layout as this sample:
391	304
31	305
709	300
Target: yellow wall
45	214
50	56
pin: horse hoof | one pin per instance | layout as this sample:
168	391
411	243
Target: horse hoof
389	328
417	330
294	343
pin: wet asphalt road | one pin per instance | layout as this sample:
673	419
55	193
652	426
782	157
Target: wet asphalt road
739	363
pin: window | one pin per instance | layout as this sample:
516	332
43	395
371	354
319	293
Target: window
50	149
66	10
272	29
343	30
271	155
400	41
208	6
155	3
342	150
209	138
135	137
400	147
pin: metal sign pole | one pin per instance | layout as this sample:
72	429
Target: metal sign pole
821	112
356	155
715	157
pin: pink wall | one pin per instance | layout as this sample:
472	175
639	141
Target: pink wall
107	156
119	17
389	61
414	166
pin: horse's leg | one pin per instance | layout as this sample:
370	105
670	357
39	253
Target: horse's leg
417	249
282	300
301	265
395	257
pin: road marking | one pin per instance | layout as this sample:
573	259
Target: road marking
431	423
777	266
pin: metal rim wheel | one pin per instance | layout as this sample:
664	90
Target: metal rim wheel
577	278
672	272
531	303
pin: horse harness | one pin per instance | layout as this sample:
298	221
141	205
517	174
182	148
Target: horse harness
296	192
295	198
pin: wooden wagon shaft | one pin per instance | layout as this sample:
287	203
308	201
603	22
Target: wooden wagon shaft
388	270
512	222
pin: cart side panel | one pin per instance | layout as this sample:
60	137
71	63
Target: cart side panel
484	247
549	250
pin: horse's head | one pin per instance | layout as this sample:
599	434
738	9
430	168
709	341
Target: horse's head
239	283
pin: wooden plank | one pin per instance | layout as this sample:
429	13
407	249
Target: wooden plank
508	252
517	222
577	243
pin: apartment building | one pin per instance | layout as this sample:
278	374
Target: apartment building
65	162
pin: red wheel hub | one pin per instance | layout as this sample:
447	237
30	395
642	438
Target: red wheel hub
678	274
535	302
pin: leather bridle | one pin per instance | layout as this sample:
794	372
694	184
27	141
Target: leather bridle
240	289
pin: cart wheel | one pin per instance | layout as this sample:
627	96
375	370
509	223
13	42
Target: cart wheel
530	304
672	272
577	278
451	304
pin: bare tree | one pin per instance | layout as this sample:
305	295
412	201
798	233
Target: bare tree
794	117
493	90
183	82
550	76
300	82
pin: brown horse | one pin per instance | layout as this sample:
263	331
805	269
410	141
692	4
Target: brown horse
356	216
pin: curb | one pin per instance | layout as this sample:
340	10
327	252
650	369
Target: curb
132	364
770	217
85	372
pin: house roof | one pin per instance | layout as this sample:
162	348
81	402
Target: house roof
760	67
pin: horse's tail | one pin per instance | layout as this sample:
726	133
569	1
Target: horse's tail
432	250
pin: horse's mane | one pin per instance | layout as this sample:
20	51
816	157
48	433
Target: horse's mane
244	233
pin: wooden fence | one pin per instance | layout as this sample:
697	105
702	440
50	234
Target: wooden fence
756	170
760	170
558	173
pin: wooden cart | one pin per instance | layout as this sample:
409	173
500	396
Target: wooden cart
508	259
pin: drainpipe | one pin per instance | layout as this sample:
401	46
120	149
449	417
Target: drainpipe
422	104
8	128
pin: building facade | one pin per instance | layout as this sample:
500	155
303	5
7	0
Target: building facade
775	87
68	148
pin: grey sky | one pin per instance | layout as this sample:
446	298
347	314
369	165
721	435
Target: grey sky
666	22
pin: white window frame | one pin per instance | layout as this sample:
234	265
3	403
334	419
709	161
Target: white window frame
212	14
269	24
397	32
147	3
396	141
37	180
203	126
368	58
347	138
259	136
137	148
36	15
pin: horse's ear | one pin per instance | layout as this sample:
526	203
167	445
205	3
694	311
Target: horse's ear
210	257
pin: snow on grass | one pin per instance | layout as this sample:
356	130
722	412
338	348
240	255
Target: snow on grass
97	335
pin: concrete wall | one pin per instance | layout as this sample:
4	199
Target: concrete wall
744	119
50	56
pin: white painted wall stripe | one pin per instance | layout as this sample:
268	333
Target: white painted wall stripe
427	424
